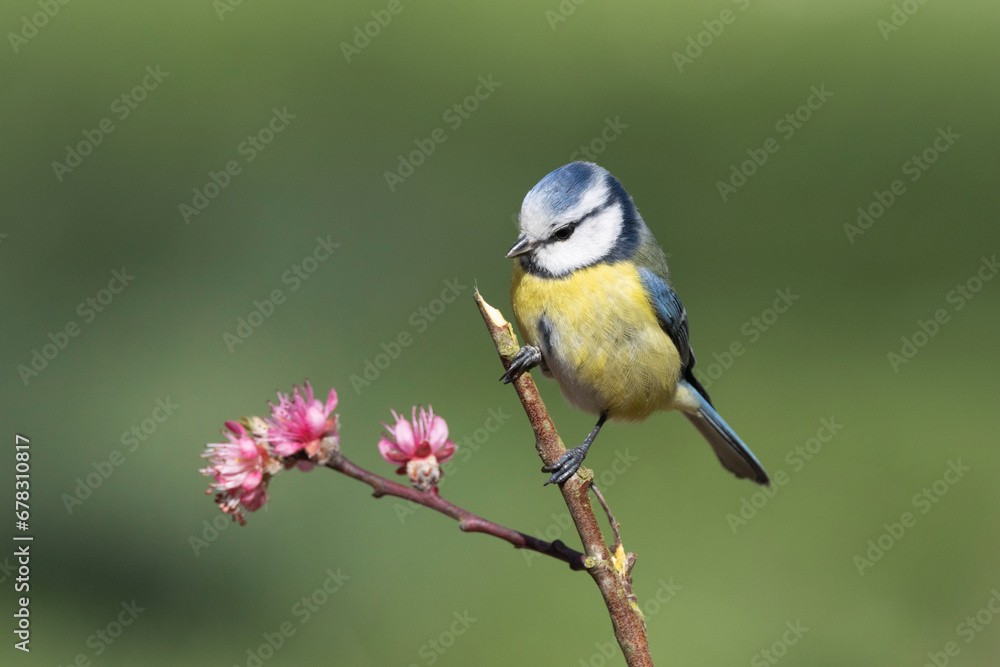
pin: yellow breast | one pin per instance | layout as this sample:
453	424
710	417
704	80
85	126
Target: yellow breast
600	339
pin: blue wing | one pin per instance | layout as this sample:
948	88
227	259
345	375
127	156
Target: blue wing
672	317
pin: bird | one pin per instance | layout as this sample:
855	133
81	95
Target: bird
593	299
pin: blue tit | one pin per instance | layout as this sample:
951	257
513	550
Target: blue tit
593	300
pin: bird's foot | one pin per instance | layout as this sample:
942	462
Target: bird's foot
526	358
567	465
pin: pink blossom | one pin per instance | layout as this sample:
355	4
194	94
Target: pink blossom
241	469
301	422
419	446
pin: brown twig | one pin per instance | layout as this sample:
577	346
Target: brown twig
467	521
610	571
611	516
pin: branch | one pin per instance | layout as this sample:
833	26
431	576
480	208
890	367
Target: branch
611	517
467	521
610	572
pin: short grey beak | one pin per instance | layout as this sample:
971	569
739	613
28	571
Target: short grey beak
523	246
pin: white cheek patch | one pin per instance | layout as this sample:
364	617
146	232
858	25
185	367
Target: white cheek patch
593	239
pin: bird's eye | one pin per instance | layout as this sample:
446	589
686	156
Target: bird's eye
565	232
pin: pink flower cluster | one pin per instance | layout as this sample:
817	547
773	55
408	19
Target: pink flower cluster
302	430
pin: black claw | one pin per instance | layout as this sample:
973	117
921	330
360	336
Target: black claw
526	358
570	462
566	466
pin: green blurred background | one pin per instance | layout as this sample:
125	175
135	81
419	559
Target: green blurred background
727	590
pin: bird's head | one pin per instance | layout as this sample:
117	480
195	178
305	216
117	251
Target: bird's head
575	217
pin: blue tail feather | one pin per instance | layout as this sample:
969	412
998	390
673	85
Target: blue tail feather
734	455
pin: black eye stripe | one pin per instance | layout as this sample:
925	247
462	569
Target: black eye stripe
571	227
